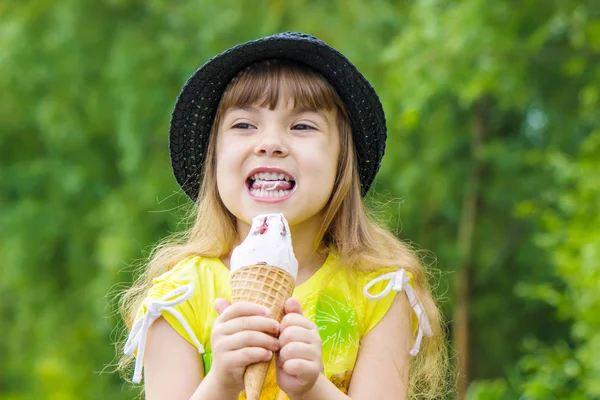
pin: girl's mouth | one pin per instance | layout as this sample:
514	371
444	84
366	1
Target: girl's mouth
270	186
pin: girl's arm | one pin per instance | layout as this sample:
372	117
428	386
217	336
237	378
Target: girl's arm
175	371
381	370
241	335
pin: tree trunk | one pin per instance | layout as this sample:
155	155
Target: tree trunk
466	230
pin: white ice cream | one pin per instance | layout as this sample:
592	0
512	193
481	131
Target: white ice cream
269	242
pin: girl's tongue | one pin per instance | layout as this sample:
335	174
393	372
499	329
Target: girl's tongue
271	185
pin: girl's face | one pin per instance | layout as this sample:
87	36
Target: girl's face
281	160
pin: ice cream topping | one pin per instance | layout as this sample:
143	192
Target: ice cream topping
269	242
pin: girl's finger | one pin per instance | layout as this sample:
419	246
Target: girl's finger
300	369
296	320
240	340
241	309
301	351
252	323
246	356
299	334
292	305
221	305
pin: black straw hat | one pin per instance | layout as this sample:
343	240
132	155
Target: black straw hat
196	105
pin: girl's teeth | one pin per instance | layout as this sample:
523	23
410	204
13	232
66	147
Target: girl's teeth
269	193
269	176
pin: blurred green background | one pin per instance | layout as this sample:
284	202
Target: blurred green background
492	164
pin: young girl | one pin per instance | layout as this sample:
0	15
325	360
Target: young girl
284	124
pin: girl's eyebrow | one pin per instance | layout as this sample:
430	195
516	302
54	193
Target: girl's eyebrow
320	113
295	111
308	110
244	108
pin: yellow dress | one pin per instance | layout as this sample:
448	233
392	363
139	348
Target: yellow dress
333	298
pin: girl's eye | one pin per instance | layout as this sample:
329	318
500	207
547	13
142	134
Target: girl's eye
302	127
242	125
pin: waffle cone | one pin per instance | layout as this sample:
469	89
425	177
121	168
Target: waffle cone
266	286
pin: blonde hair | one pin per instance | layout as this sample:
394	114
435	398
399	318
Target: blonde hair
348	228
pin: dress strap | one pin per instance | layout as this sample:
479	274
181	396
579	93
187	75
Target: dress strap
398	281
155	308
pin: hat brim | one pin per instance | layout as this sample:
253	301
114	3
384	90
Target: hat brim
196	105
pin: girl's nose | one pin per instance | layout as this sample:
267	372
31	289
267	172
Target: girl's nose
271	144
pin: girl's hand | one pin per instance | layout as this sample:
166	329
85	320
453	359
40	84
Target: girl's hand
298	363
241	335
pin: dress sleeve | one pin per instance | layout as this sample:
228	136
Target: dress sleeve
379	293
174	296
375	310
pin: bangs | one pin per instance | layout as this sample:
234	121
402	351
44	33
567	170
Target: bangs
269	82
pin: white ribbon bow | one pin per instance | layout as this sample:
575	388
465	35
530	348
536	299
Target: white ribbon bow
155	308
399	281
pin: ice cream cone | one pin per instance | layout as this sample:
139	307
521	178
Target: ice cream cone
263	272
266	286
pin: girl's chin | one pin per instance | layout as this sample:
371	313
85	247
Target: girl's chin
249	213
254	208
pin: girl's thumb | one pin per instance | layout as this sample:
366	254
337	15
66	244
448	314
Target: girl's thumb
221	305
292	305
